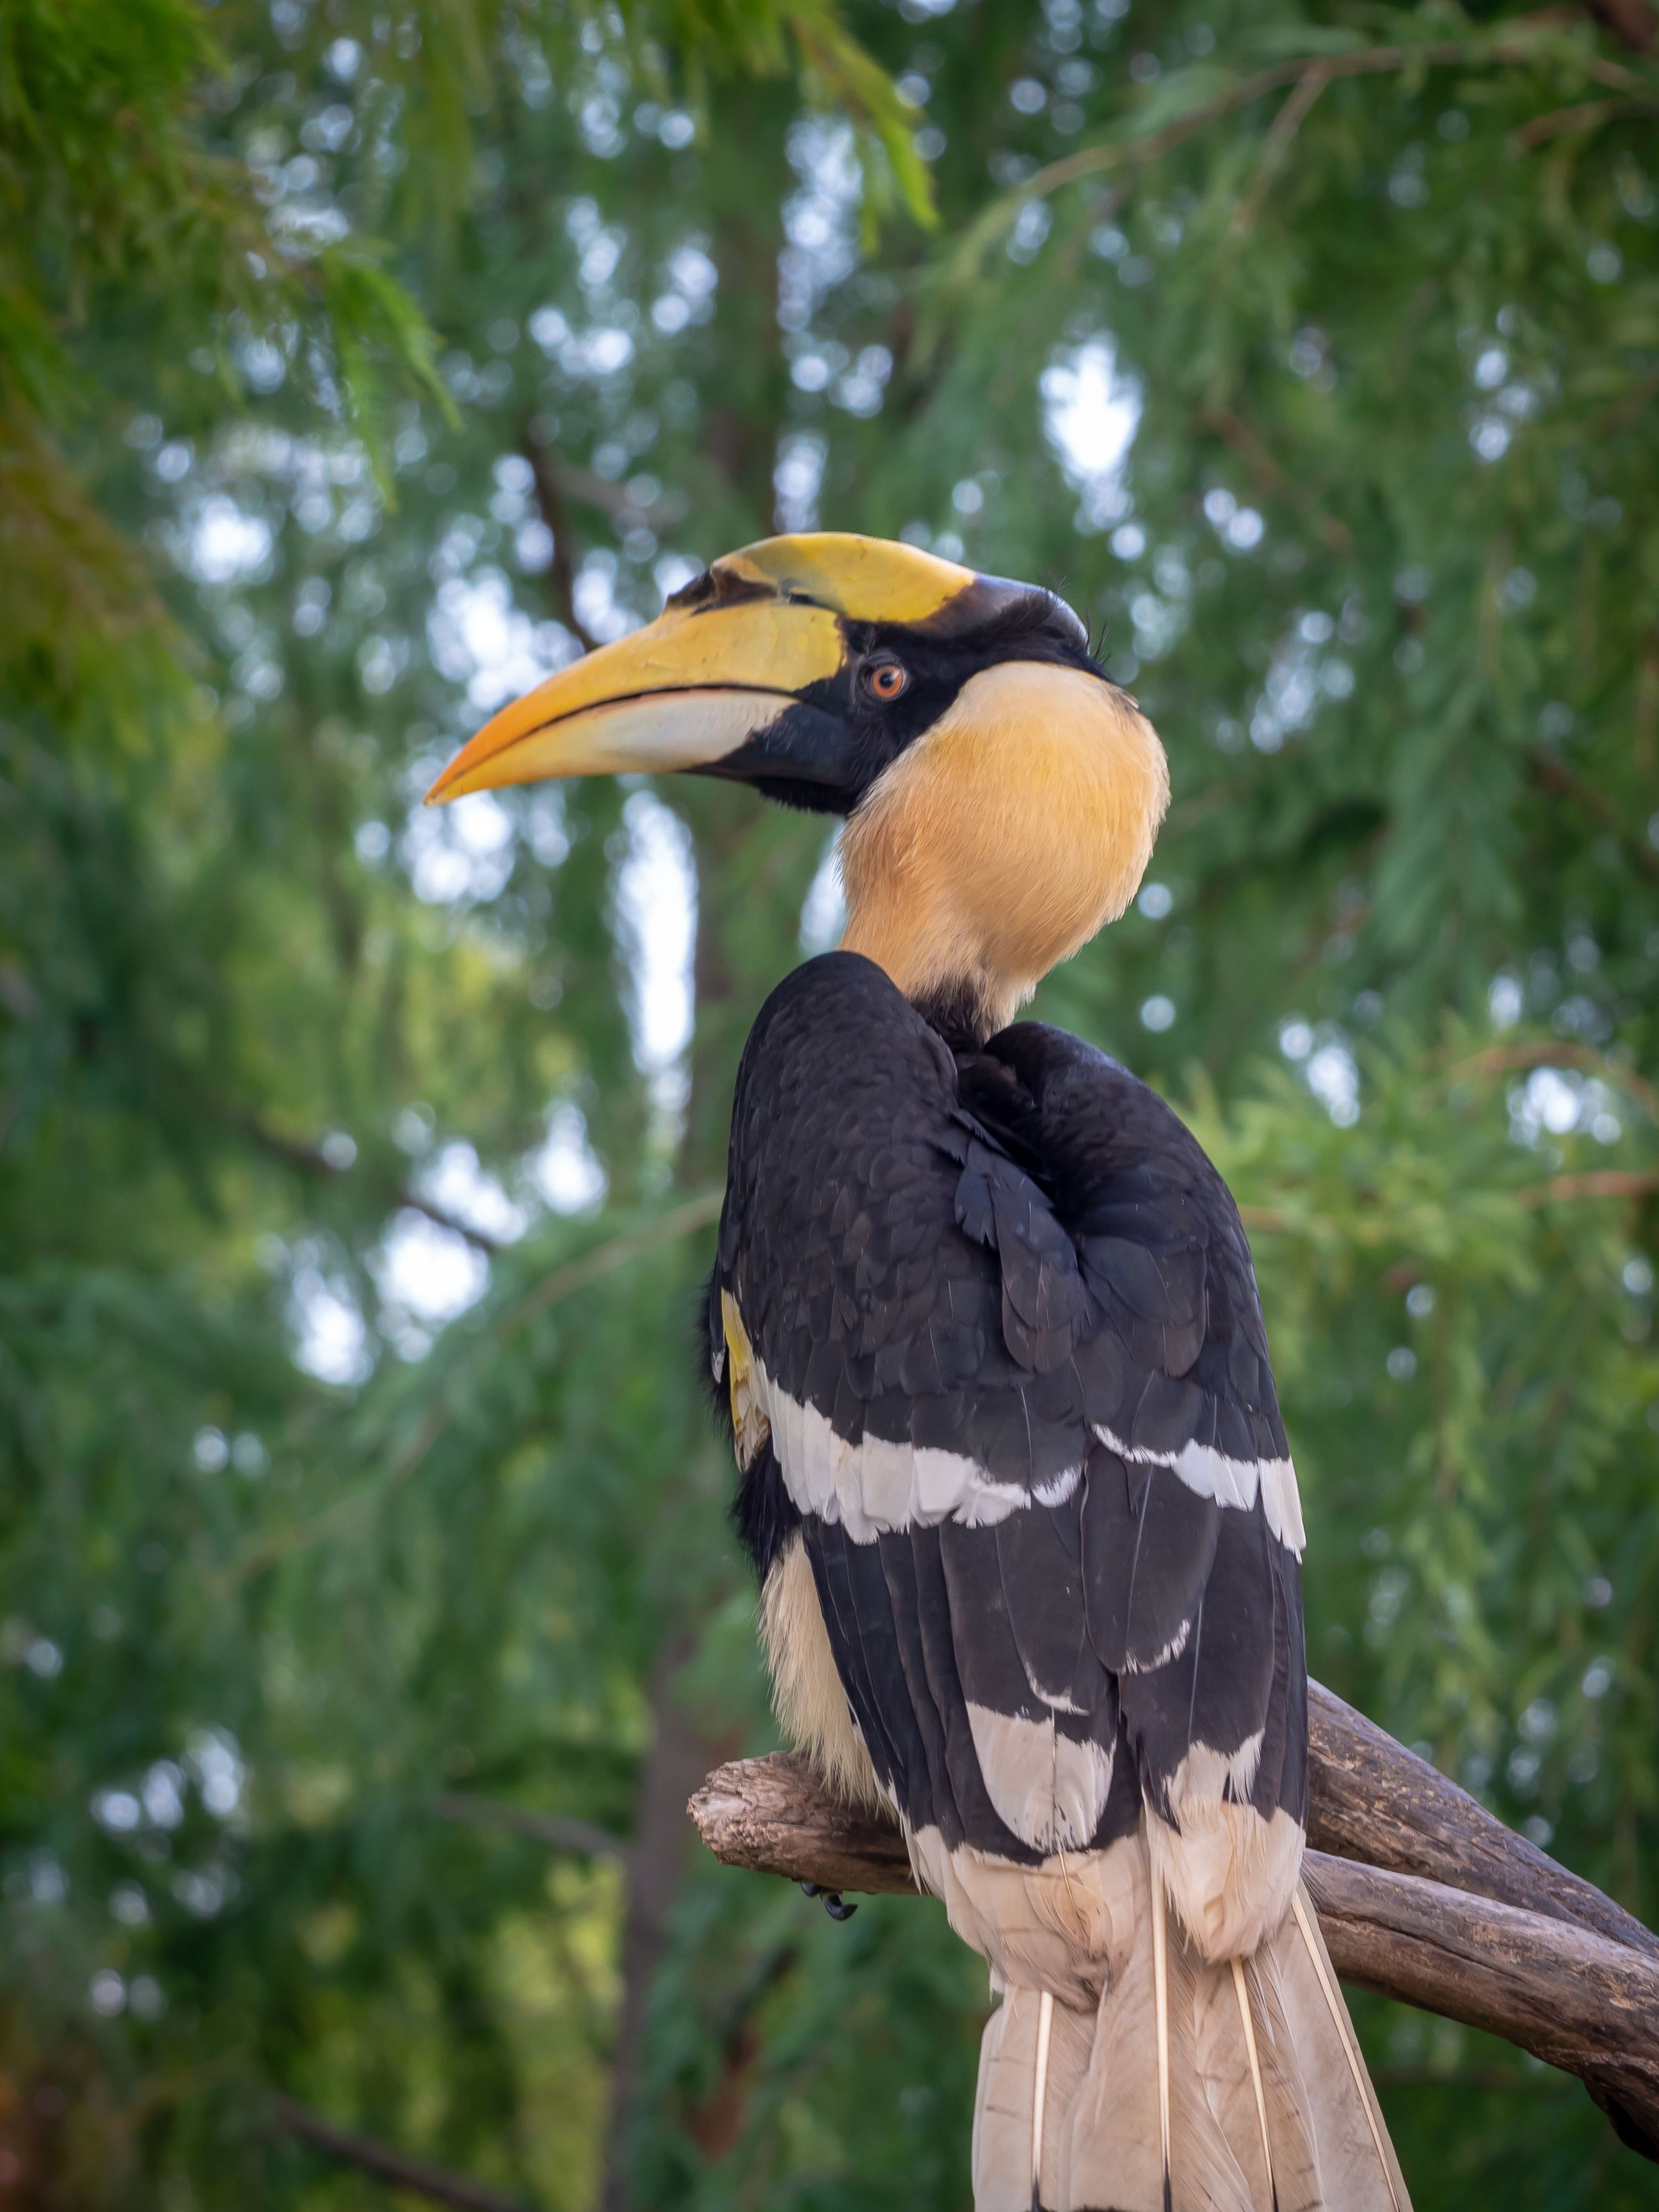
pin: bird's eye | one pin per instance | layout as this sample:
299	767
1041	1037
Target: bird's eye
885	680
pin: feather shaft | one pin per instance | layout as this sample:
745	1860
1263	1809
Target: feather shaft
1161	2002
1040	2093
1339	2017
1255	2074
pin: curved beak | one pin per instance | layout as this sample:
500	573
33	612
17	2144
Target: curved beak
743	674
686	692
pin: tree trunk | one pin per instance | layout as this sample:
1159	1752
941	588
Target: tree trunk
673	1768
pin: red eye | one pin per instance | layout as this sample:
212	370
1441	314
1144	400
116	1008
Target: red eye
885	680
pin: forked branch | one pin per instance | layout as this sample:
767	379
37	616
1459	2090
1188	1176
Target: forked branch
1422	1894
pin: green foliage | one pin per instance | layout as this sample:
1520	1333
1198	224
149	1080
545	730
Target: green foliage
359	1504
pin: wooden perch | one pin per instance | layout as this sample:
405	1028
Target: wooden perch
1581	2002
1371	1799
1423	1895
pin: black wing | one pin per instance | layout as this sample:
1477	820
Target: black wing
1004	1368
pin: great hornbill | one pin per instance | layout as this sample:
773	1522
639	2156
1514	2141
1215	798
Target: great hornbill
1012	1471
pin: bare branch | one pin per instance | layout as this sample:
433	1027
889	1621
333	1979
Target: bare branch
1423	1894
1634	24
1587	115
550	497
1371	1799
433	2182
1280	135
1270	479
775	1816
1599	1183
1575	2000
560	1831
309	1159
1508	52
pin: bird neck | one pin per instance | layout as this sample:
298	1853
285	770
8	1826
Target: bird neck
998	842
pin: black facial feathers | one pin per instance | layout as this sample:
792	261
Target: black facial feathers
824	752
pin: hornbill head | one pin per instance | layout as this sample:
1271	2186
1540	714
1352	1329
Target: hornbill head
1001	794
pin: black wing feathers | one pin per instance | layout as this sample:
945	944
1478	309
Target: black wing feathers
764	1514
1017	1257
1149	1543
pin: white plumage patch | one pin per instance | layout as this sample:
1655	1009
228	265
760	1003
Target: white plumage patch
1228	1874
1068	1925
1255	2066
878	1487
1057	1491
806	1692
873	1488
1172	1651
1050	1789
1234	1482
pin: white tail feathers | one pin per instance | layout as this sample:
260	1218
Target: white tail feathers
1357	2095
1161	2022
1040	2092
1185	2085
1247	2021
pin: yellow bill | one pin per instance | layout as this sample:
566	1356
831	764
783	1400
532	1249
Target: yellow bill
742	662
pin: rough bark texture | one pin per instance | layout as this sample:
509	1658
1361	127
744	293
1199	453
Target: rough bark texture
1371	1799
1422	1894
1580	2001
775	1816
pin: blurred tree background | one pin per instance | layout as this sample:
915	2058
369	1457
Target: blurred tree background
368	1604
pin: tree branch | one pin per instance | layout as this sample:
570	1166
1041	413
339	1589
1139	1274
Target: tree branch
309	1159
433	2182
1575	2000
679	1751
562	572
560	1831
1424	1895
1282	131
1506	52
1370	1799
1628	410
775	1816
1634	24
1270	479
697	1213
1587	115
563	1283
1599	1183
1551	773
1501	1058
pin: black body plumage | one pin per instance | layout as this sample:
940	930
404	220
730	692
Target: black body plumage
1011	1266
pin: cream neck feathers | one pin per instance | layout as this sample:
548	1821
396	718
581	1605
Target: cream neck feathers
999	841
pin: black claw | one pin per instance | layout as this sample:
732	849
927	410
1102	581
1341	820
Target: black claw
833	1904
